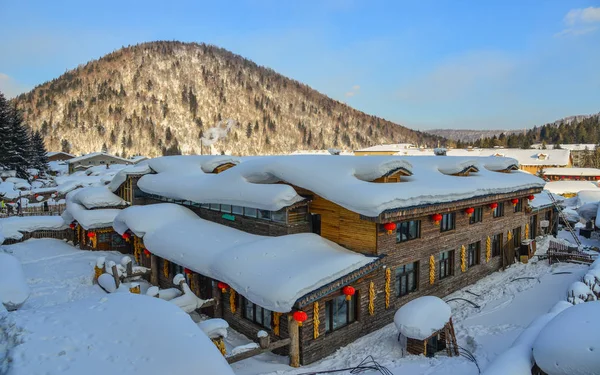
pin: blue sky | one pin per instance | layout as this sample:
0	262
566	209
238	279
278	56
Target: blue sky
424	64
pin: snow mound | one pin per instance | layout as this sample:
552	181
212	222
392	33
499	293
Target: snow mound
88	219
14	290
98	196
153	215
569	344
119	334
214	328
13	227
422	317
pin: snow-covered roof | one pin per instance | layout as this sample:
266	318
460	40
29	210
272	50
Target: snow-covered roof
121	176
94	154
422	317
572	172
120	333
252	265
88	219
344	180
543	199
13	227
566	187
8	191
388	148
138	158
571	147
568	343
52	153
97	196
588	196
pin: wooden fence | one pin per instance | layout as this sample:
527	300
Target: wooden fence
63	234
559	252
53	210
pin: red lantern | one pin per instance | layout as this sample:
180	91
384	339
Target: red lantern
147	253
72	226
531	197
91	234
300	316
126	236
221	285
389	227
436	218
494	205
187	271
36	196
469	211
514	201
348	292
597	178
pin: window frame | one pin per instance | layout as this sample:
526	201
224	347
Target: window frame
497	245
254	316
351	312
498	211
477	216
407	224
518	207
473	253
449	264
406	275
517	241
445	222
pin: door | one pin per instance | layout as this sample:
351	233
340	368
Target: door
315	220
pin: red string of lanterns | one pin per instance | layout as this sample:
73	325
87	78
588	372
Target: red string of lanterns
436	218
348	292
300	317
221	285
389	227
469	211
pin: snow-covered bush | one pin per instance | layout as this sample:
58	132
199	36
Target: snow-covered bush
579	292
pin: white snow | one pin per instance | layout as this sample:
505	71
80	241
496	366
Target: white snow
13	227
588	196
88	219
121	176
580	290
344	180
214	328
572	172
251	264
422	317
14	290
188	301
244	348
543	199
153	216
569	187
8	191
118	334
569	344
99	196
94	154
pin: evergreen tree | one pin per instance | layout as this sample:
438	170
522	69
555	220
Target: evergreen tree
104	148
40	154
5	139
18	155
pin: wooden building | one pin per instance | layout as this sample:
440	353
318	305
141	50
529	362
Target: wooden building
94	159
59	156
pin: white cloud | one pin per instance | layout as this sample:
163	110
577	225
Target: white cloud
355	90
580	21
11	88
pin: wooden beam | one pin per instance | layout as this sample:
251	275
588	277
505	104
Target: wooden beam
257	351
294	332
153	270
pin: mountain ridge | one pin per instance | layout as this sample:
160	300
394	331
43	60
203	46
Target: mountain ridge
162	97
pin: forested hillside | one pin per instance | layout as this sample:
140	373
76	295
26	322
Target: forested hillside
163	97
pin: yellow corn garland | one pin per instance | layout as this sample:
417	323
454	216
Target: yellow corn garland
526	231
219	344
166	268
232	300
488	249
463	258
276	317
316	320
135	289
431	270
372	298
97	272
388	280
509	236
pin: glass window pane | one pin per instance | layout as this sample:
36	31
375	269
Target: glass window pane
339	313
214	206
279	216
250	212
267	318
411	282
327	316
249	310
258	317
238	210
352	311
225	208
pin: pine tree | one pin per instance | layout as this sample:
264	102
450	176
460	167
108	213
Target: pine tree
5	139
19	155
40	155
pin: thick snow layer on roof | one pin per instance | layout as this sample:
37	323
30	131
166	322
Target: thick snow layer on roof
214	328
543	199
572	172
121	333
143	219
99	196
569	146
341	179
88	219
94	154
518	359
422	317
588	196
566	187
588	211
14	290
389	148
13	227
524	157
8	191
121	176
569	344
250	264
52	153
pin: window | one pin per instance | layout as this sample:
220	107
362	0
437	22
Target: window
339	313
473	253
448	222
264	214
477	216
226	208
174	269
104	237
257	314
446	265
205	205
496	244
532	226
407	278
408	230
116	240
238	210
215	207
499	211
519	206
517	237
250	212
279	216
